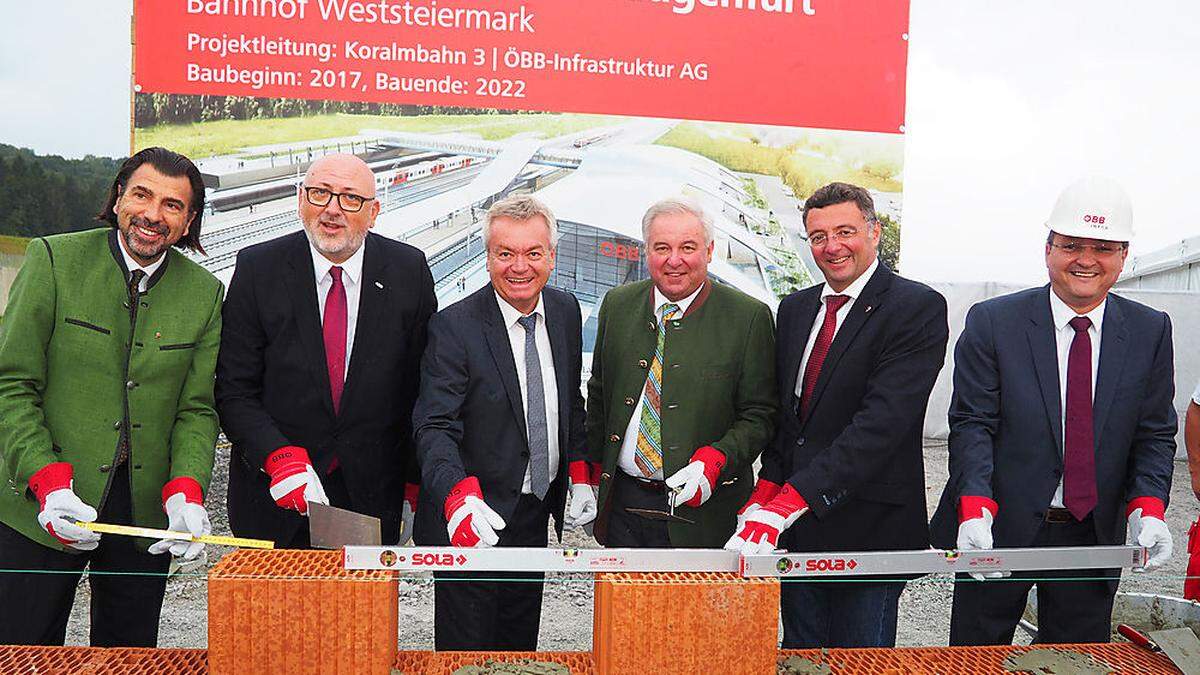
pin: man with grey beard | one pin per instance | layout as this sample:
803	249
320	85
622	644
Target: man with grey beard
319	365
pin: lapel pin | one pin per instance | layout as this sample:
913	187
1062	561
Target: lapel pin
379	285
867	309
157	335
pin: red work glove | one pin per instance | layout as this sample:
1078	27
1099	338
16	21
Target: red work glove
183	500
694	484
1148	528
469	520
294	482
408	512
584	480
975	516
1191	584
764	492
54	488
761	533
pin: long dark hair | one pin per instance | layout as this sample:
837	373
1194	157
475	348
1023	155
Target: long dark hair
168	163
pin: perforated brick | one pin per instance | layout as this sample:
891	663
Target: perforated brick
1121	657
16	660
685	623
444	663
155	662
297	612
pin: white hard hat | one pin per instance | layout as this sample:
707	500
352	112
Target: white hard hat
1095	208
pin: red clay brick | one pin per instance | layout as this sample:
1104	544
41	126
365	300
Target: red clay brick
668	623
1122	657
16	660
298	612
444	663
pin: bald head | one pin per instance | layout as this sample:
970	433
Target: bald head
337	205
349	171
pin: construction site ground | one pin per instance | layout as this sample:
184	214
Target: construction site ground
567	606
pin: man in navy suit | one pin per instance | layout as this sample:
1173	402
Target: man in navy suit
857	357
498	421
1062	428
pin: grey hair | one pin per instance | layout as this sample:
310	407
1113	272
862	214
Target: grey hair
520	208
677	205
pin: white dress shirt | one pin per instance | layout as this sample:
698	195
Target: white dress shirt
852	291
1061	314
516	338
131	264
629	444
351	281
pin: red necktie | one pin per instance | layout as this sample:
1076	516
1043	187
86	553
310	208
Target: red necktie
812	369
1079	457
334	330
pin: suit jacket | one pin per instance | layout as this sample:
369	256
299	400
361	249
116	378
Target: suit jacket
76	373
856	458
273	385
470	419
1006	431
717	390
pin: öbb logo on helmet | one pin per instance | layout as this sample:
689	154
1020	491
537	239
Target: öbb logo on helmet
1089	218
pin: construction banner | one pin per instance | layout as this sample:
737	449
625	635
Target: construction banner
598	107
836	65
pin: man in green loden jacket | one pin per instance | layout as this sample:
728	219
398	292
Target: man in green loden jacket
107	352
680	398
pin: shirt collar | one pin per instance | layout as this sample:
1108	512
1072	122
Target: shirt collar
131	264
512	314
351	268
660	300
855	289
1062	314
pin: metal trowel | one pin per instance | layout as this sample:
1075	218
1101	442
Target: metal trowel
1181	646
668	515
331	527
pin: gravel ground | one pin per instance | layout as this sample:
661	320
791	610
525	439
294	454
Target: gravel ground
567	605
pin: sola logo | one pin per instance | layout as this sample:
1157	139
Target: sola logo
830	565
1089	218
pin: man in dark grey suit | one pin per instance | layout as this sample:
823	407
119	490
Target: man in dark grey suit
1062	428
320	355
498	421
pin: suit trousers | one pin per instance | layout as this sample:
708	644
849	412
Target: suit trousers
843	613
494	611
125	608
629	530
1077	608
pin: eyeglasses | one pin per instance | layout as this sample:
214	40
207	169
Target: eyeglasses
348	201
820	239
1098	250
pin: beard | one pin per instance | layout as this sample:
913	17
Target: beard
339	246
147	251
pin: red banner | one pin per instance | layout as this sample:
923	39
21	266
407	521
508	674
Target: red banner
837	64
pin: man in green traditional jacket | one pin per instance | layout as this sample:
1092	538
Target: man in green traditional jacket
680	401
107	352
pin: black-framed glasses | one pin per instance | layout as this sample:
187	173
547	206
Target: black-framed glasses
348	201
1098	250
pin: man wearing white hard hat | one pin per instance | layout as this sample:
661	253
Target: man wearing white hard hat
1062	429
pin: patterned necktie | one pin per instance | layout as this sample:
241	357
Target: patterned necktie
535	412
812	369
135	285
334	330
1079	458
648	455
